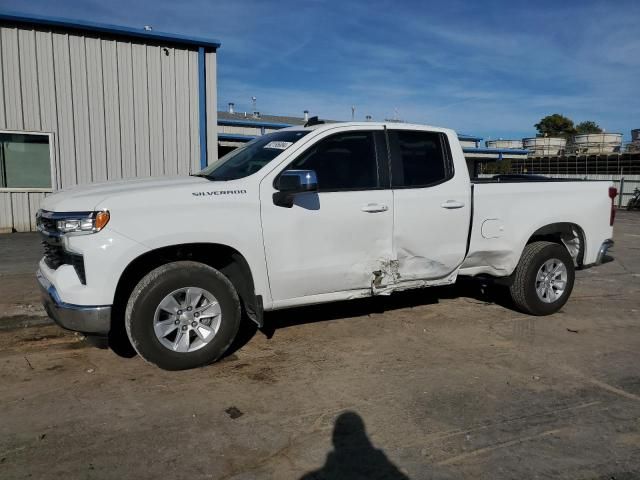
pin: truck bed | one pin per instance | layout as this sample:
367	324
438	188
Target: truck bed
508	210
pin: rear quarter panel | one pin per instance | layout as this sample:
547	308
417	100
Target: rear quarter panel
507	214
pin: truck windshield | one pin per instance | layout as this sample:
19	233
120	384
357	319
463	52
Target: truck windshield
251	157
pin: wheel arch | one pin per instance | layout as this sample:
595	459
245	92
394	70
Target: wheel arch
229	261
569	234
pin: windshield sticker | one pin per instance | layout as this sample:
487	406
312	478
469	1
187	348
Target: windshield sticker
278	145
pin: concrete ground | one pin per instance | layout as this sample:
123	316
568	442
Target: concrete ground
432	384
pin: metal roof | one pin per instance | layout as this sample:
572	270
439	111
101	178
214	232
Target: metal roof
249	120
512	151
472	138
116	30
252	123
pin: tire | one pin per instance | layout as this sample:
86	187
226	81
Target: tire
524	291
179	286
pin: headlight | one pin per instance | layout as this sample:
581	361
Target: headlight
62	223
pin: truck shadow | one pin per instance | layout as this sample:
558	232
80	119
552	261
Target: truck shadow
277	320
464	288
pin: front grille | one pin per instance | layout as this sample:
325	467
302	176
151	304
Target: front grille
55	256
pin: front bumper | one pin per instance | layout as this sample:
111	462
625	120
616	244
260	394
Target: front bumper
602	251
94	320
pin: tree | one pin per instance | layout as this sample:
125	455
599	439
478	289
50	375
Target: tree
555	125
588	126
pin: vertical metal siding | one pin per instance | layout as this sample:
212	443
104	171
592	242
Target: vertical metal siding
95	90
154	78
141	110
127	124
2	95
182	109
6	213
20	210
212	112
29	80
80	105
64	108
34	204
11	73
111	109
116	108
47	96
169	123
194	119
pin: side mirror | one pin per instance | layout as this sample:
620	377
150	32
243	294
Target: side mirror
292	182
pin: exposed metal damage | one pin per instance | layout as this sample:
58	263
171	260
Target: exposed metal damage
385	277
408	272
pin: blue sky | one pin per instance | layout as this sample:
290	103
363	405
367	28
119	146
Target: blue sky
490	68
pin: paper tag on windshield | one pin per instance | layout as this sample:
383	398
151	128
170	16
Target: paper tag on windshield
278	145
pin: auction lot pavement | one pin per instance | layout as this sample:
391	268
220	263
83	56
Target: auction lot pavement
423	385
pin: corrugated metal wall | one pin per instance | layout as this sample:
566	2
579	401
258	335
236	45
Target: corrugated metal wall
116	108
20	208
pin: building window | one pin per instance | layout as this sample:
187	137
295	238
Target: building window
25	160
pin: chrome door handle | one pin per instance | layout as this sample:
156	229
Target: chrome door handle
451	204
374	208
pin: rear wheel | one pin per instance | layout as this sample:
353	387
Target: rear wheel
544	278
182	315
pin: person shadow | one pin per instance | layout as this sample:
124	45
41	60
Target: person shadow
354	457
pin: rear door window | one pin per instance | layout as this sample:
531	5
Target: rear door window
419	159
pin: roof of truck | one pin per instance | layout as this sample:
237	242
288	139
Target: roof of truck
391	125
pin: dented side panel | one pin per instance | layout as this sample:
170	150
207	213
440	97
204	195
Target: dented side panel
325	243
431	226
328	242
515	211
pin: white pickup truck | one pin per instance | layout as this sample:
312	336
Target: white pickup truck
301	216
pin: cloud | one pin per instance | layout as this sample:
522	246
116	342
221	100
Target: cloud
491	68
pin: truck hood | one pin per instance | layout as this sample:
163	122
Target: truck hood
88	197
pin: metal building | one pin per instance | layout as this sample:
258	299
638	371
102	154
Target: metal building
500	143
84	102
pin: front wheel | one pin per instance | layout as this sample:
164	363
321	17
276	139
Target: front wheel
543	279
182	315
